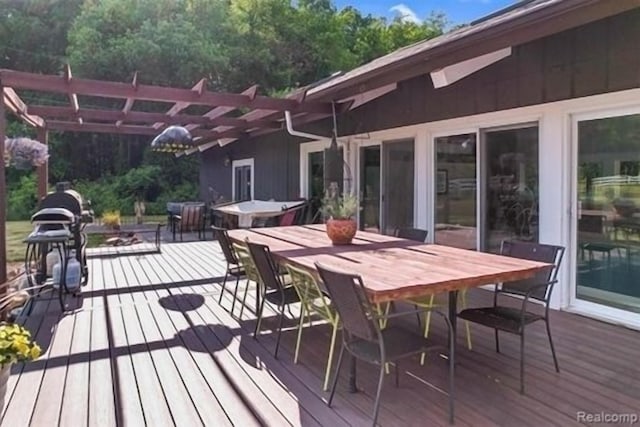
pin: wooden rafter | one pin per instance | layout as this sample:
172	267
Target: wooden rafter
198	88
141	117
128	104
221	111
17	106
73	97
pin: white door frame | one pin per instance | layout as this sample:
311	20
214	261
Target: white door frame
592	309
239	163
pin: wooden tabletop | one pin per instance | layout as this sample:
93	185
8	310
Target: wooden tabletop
391	268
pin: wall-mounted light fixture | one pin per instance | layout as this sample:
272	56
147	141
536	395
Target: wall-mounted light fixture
227	161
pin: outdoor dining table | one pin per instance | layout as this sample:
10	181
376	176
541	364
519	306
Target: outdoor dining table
391	268
248	210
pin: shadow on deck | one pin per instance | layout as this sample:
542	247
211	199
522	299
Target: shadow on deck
148	344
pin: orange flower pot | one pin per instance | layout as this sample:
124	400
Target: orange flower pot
341	231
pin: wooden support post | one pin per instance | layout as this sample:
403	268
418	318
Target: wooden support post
43	171
3	199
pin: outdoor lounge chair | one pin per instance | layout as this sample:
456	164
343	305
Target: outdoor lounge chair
363	338
314	301
272	287
191	218
234	268
539	287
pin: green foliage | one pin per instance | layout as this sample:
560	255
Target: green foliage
340	207
22	198
277	44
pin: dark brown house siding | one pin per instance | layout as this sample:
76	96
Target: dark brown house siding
597	58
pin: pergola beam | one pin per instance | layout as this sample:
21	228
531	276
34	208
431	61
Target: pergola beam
221	111
198	88
61	126
50	83
52	112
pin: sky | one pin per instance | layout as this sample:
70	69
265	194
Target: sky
457	11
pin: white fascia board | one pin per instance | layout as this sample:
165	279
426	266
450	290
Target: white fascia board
452	73
370	95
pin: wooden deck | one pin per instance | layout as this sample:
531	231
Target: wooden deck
148	344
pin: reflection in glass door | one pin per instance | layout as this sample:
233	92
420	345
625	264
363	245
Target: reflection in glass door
456	191
510	186
608	220
398	181
370	188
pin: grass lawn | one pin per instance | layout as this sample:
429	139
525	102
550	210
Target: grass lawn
16	232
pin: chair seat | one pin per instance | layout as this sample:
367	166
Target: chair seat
275	297
503	318
398	343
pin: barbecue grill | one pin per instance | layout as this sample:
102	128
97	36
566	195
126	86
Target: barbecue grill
58	225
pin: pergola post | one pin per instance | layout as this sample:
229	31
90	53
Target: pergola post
3	199
43	171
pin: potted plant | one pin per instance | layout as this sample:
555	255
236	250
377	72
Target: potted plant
16	345
339	212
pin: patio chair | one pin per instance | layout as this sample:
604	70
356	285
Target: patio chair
429	303
538	288
415	234
314	301
234	268
272	287
250	272
191	218
363	338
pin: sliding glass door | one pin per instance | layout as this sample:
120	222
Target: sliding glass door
398	182
370	188
608	211
456	191
486	192
510	184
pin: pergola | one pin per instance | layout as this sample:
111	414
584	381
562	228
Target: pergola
229	116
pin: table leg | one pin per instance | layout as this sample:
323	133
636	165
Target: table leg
353	387
453	314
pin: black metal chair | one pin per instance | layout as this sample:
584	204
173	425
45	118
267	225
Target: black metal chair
234	268
539	288
271	286
412	234
363	338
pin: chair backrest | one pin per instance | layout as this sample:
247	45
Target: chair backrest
288	218
310	293
192	216
412	234
534	252
225	244
246	261
265	265
349	297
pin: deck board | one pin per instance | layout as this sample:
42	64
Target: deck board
148	344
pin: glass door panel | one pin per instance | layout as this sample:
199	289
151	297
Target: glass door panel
510	199
398	182
242	183
608	220
370	188
456	191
